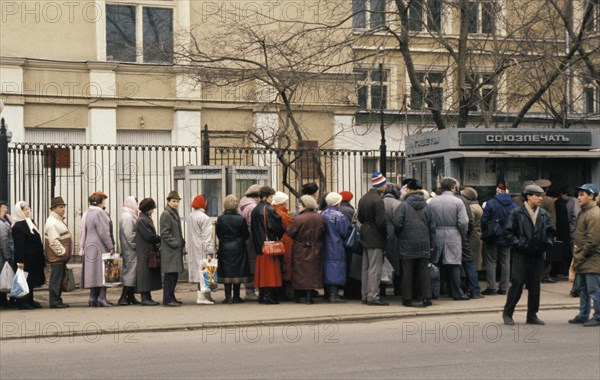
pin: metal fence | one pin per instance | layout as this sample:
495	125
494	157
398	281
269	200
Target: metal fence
146	171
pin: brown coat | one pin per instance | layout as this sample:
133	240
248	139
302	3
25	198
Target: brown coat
586	251
307	230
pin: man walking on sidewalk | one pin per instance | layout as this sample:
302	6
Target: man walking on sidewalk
57	242
373	236
586	254
530	233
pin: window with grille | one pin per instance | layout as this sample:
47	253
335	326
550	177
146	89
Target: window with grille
372	88
432	84
154	45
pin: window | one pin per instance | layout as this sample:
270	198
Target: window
155	45
483	90
591	96
430	10
480	15
593	23
432	85
372	88
375	9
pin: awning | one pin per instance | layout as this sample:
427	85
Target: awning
527	154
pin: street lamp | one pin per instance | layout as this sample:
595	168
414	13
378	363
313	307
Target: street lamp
5	137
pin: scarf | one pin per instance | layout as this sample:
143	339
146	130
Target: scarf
19	215
533	214
130	206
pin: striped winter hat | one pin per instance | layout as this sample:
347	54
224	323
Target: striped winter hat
378	180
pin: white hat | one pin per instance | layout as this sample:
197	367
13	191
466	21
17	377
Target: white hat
333	199
280	198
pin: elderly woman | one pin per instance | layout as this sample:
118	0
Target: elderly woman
7	246
233	269
95	239
307	230
280	206
146	240
129	216
29	252
337	229
200	243
266	224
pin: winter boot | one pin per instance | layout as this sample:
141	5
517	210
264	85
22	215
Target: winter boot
123	299
228	299
93	302
202	300
102	302
250	294
236	294
334	296
147	299
131	296
309	298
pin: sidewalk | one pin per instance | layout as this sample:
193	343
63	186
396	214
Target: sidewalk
81	320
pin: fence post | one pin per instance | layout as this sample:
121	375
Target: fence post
4	139
205	146
52	172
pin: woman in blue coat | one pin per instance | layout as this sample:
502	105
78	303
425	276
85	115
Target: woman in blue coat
337	228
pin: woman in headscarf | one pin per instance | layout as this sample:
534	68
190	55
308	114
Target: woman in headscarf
129	216
280	206
29	252
146	239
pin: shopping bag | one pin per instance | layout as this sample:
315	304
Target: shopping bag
387	272
6	278
19	285
111	269
68	284
208	274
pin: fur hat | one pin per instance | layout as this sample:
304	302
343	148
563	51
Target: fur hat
309	202
279	198
147	204
253	191
199	202
469	193
333	199
230	203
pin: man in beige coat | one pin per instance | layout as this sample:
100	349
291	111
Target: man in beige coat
58	245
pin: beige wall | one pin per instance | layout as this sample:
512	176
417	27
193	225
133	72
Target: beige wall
55	116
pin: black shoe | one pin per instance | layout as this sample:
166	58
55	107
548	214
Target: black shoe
268	300
427	302
592	322
238	299
501	292
36	305
178	301
535	321
574	293
228	300
377	303
463	298
476	296
508	320
59	306
25	306
577	320
489	292
149	303
407	303
172	304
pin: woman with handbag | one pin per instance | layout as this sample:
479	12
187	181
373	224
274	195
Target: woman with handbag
129	217
29	252
307	230
266	226
147	252
232	232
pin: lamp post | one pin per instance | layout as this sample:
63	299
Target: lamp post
5	137
382	147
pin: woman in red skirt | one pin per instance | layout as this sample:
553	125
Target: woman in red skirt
266	223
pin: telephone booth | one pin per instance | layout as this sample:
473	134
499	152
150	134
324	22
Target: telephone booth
208	181
240	178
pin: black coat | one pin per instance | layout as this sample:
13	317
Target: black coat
257	225
524	237
371	214
414	228
29	250
145	237
232	232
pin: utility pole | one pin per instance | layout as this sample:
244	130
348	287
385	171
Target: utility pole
382	147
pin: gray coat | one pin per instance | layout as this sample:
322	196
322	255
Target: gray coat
145	237
97	241
414	228
391	204
451	221
7	246
127	240
171	241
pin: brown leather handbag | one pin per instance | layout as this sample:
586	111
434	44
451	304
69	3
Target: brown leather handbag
271	248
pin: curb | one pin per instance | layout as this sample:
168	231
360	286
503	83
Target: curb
281	322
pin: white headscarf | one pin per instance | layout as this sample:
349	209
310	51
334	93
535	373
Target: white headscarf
130	205
18	215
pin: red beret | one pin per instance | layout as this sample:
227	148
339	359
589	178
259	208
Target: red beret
101	194
199	202
346	196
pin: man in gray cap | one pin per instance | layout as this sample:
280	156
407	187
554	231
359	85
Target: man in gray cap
530	233
58	245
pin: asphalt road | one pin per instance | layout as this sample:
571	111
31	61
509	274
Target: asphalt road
455	347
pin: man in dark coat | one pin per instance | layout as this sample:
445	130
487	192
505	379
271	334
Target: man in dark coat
468	263
530	233
373	236
171	248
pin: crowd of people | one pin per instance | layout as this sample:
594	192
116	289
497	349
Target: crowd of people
419	233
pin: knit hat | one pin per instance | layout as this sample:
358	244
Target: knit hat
333	199
173	195
378	180
469	193
147	204
279	198
230	203
253	191
309	202
199	202
346	196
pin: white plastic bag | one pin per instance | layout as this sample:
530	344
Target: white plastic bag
19	285
111	269
387	272
6	278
